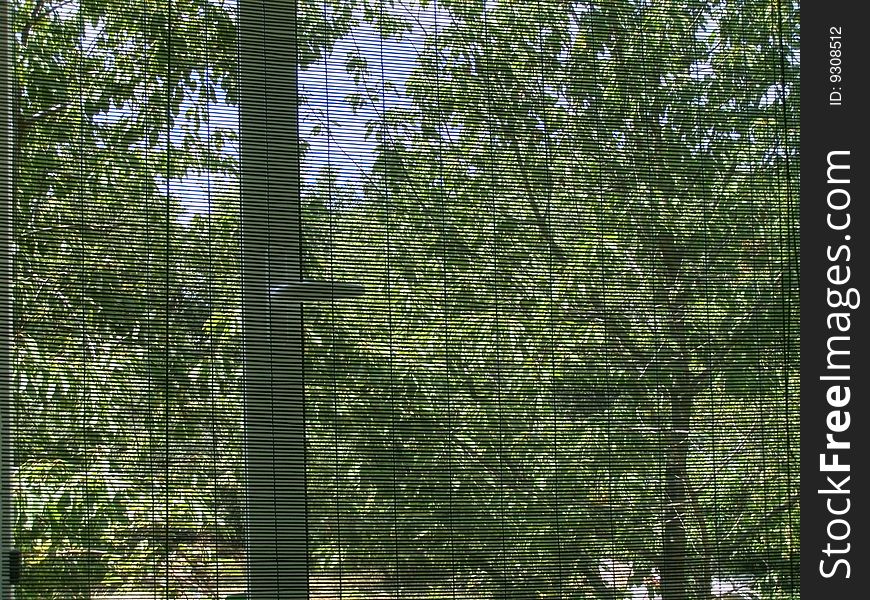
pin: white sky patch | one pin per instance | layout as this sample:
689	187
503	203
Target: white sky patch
735	586
91	36
338	133
115	115
67	10
194	193
214	116
773	94
191	191
701	69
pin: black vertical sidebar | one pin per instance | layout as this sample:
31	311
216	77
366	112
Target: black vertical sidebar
835	225
272	342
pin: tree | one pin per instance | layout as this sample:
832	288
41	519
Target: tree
635	157
578	336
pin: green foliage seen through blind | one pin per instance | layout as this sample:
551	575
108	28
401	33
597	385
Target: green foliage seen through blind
574	370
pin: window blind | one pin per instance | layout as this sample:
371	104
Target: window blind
402	299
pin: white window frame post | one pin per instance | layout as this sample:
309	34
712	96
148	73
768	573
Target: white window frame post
272	331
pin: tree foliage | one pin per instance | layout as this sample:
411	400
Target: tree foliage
578	340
